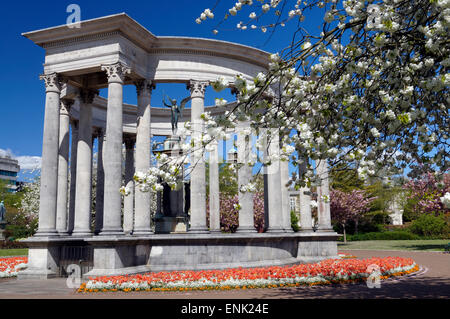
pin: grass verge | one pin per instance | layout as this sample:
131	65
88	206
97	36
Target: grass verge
14	252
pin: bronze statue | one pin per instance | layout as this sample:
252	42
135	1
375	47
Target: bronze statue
176	110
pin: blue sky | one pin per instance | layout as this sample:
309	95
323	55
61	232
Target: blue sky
23	94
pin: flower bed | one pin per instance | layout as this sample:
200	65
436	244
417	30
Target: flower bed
323	273
10	266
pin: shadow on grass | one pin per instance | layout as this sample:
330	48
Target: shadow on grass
424	247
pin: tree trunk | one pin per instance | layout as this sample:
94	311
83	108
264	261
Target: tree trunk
356	226
345	235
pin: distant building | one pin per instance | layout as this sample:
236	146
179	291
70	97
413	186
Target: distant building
9	168
294	200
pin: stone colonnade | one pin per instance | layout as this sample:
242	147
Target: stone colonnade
65	209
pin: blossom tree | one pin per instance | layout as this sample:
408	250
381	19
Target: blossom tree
369	91
426	194
349	206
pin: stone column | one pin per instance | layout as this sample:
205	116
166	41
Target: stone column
323	197
83	195
198	179
63	166
214	192
50	146
305	197
99	191
285	207
273	184
112	215
246	219
73	175
142	218
128	205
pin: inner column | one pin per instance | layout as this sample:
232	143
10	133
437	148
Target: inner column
83	192
246	219
198	178
100	182
323	197
128	205
63	167
305	196
143	140
214	192
274	183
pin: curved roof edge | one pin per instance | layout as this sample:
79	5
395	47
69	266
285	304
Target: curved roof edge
138	34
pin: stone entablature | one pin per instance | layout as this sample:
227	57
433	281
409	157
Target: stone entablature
118	38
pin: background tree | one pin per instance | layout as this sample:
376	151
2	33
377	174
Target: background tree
424	195
347	207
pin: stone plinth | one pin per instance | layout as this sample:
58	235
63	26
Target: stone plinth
119	255
2	230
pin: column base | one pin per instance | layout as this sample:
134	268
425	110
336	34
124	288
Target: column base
325	230
81	233
142	232
111	232
246	230
46	233
198	230
275	230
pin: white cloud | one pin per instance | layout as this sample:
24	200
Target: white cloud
29	162
25	162
5	153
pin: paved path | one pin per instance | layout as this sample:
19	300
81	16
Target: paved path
432	281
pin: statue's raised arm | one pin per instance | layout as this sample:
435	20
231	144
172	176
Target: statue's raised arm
172	102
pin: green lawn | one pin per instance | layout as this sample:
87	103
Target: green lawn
14	252
411	245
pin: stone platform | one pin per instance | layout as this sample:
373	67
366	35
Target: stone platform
120	255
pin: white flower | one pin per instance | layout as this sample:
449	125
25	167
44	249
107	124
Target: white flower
306	45
220	84
446	200
220	102
375	132
252	15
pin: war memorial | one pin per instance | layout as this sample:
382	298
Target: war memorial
111	52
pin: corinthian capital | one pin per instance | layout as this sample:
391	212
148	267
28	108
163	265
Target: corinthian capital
52	82
87	95
66	104
144	87
197	88
116	72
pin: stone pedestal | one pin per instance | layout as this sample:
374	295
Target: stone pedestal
2	230
171	215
